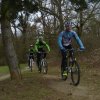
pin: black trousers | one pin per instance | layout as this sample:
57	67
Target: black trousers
64	53
39	56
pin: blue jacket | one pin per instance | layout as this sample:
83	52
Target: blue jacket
65	38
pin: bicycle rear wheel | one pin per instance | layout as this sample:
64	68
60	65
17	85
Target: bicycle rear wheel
75	73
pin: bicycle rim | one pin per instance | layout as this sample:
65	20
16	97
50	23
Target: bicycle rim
75	73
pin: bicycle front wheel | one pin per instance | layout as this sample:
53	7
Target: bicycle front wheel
44	65
31	64
75	73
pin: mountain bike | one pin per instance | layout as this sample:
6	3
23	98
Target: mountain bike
72	67
43	66
31	62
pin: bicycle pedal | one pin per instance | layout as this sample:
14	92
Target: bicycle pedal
65	74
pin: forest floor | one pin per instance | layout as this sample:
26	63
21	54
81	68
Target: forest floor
36	86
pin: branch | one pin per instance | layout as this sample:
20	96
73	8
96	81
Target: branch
89	16
47	10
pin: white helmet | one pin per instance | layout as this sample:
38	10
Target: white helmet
68	23
31	45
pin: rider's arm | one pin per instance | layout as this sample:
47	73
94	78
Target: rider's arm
28	51
60	40
78	40
47	46
36	46
33	50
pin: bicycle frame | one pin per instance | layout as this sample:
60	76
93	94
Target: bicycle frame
70	56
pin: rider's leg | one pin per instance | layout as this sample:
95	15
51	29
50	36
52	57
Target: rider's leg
37	59
29	61
64	62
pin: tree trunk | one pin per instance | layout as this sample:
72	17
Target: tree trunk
25	43
8	43
60	17
9	49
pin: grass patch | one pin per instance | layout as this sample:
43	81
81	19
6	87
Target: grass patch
5	69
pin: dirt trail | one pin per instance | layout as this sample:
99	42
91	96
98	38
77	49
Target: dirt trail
4	77
80	92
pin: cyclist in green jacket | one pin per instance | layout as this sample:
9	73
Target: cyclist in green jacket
40	46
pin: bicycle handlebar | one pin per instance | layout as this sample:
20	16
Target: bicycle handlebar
79	50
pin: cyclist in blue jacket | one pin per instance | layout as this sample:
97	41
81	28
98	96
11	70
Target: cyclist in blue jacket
64	42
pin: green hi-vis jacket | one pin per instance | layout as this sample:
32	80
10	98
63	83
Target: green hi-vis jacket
40	45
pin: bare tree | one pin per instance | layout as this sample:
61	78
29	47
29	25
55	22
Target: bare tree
7	15
85	12
57	12
8	44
